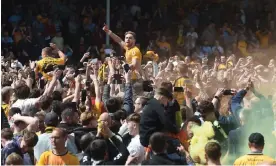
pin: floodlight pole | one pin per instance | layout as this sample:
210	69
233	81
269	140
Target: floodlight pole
107	20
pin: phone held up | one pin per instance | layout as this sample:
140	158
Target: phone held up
126	67
117	79
83	95
229	92
178	89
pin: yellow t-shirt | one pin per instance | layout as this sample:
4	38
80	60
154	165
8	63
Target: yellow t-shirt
225	66
6	108
43	63
181	82
102	74
151	55
98	109
48	158
242	46
253	159
164	45
133	53
17	37
263	39
180	39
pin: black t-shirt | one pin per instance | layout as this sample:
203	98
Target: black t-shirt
68	127
81	131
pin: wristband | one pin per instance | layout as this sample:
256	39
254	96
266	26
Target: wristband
109	32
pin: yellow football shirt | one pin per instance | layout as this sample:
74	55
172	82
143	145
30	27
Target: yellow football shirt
6	108
43	63
49	158
182	82
242	46
253	159
263	38
133	53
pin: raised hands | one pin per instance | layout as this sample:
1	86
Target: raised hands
105	28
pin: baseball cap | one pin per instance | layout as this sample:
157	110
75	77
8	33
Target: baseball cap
51	119
257	139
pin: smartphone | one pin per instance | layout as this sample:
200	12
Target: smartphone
83	95
178	89
126	67
228	92
117	79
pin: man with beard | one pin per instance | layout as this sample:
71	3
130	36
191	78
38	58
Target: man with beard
133	55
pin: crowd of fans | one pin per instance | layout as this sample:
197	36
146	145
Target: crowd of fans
182	83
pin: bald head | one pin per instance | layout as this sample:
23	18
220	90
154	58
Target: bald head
105	117
62	132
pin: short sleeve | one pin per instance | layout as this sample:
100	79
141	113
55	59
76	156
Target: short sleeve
75	161
133	151
42	159
31	102
60	61
136	54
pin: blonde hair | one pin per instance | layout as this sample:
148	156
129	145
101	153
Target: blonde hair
14	159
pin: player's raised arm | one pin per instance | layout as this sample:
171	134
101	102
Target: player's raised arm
114	36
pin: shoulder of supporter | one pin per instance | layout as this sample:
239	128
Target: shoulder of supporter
25	102
44	158
123	129
136	51
135	148
240	160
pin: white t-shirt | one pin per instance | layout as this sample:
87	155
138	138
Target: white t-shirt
123	129
193	34
25	104
136	150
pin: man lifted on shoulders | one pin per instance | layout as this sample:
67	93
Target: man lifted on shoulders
133	55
